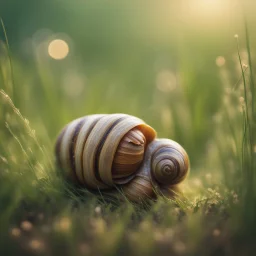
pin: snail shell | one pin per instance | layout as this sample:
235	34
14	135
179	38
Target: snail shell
118	150
165	165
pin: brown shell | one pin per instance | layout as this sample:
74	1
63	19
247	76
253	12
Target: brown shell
87	147
160	155
118	150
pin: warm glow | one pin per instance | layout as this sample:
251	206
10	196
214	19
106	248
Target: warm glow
58	49
209	8
209	5
166	81
220	61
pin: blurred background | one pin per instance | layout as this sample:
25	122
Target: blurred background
167	62
172	63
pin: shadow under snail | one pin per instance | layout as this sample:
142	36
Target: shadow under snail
107	151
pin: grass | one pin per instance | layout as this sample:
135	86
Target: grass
41	213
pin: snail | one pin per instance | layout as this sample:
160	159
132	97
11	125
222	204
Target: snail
119	151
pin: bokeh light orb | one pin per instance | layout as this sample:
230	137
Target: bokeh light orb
220	61
166	81
58	49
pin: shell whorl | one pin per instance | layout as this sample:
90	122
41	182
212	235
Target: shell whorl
169	164
118	150
90	149
165	164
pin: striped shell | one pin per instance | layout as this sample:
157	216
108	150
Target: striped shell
118	150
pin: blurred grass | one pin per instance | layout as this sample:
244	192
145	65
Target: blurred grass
176	79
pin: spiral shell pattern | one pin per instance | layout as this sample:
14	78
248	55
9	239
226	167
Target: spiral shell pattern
169	162
86	147
117	150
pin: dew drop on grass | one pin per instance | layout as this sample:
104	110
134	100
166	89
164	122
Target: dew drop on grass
216	232
36	244
15	232
26	225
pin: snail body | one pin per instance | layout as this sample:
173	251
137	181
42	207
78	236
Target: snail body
120	151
